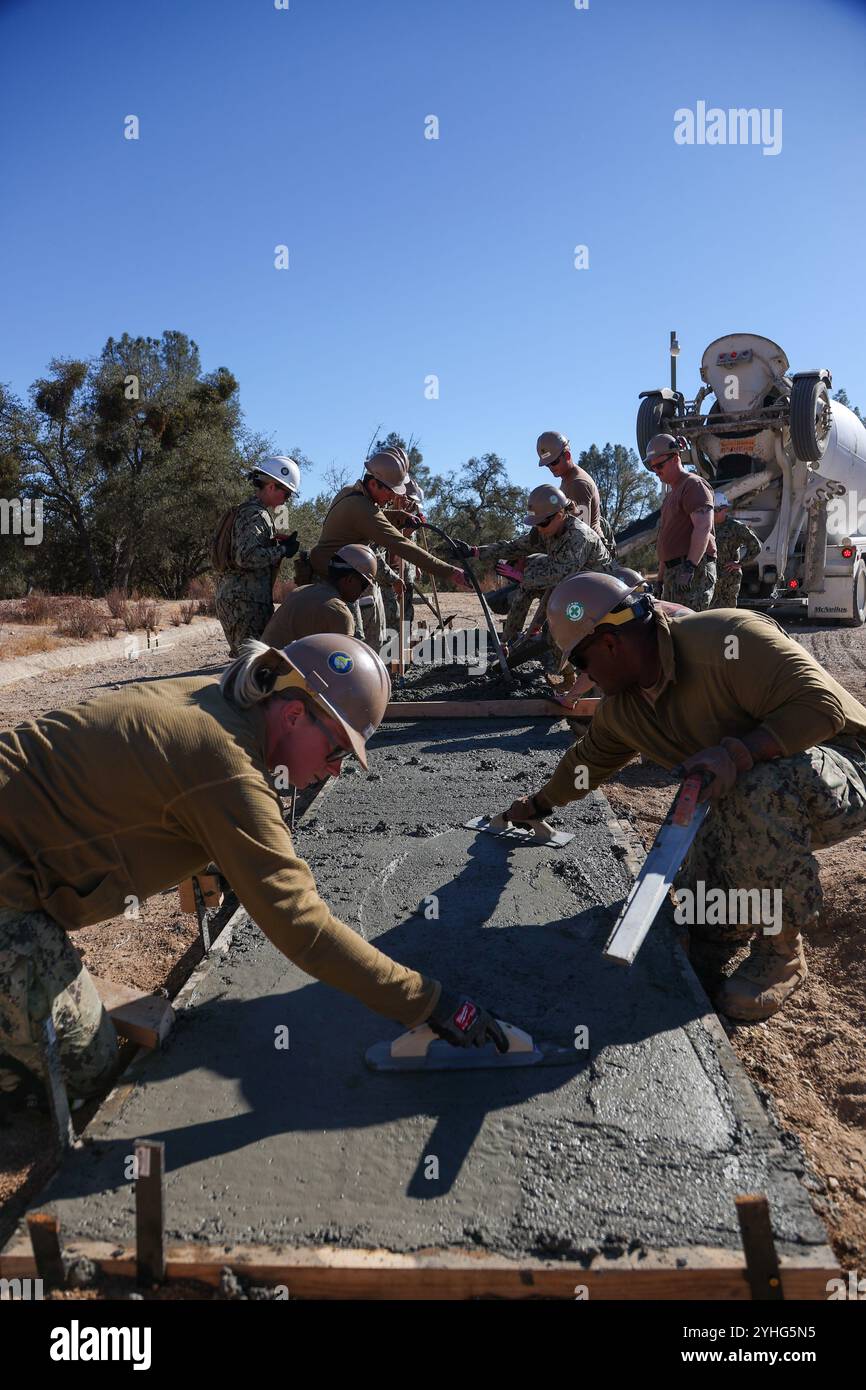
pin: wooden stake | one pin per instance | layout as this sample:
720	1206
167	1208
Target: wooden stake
402	637
762	1263
44	1229
150	1211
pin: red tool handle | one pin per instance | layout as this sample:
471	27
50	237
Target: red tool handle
687	800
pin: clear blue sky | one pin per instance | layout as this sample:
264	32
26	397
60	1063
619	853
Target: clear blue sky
408	256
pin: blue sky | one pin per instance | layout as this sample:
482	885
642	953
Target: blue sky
412	257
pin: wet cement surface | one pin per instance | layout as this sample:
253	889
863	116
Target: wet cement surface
642	1143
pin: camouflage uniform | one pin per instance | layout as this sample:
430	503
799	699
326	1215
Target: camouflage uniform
41	973
731	537
576	548
762	833
699	594
245	595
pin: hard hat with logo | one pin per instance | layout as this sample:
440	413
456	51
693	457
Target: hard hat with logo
720	500
283	471
549	446
544	501
662	444
580	605
389	468
359	558
342	675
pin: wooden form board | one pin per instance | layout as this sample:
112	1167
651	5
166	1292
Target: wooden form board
146	1019
489	709
327	1272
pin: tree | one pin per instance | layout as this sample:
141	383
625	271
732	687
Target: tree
627	490
478	504
842	397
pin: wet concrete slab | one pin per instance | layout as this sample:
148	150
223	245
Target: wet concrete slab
641	1144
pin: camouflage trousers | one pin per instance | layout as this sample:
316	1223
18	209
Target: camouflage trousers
727	590
699	594
762	834
40	974
243	608
372	611
518	611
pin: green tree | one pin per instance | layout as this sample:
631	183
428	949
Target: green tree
627	490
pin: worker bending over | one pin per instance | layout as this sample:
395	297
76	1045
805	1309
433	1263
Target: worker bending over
131	793
731	694
686	542
325	606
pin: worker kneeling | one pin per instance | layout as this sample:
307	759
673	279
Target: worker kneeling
729	693
325	606
129	794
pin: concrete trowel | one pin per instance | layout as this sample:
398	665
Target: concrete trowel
531	832
420	1049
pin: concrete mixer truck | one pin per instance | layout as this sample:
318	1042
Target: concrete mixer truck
793	464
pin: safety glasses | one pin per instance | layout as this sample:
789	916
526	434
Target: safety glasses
336	753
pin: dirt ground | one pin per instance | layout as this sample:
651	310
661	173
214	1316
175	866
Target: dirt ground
809	1061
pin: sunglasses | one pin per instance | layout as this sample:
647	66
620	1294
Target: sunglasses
578	659
547	520
657	464
336	753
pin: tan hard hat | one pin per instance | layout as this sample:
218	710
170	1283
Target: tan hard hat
390	469
549	446
628	576
662	444
544	501
342	675
361	559
582	603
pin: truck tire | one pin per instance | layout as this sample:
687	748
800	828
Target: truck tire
652	413
808	397
859	597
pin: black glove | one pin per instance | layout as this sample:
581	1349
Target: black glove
463	550
290	545
409	522
463	1023
683	575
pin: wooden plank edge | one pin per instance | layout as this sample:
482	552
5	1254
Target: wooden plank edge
489	709
328	1272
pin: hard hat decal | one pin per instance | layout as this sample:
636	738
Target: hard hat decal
574	612
340	662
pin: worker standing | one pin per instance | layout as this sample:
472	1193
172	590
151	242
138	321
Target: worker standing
248	551
579	486
731	694
178	773
558	544
732	536
326	605
686	542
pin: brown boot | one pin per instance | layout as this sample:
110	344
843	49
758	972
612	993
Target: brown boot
773	969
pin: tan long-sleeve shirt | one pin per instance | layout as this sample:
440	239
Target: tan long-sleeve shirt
305	611
354	518
724	672
130	793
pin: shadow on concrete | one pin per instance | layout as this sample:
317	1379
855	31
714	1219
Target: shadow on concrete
548	979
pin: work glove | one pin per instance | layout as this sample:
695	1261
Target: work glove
463	1023
460	578
721	767
525	808
410	522
683	575
508	571
290	545
464	550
